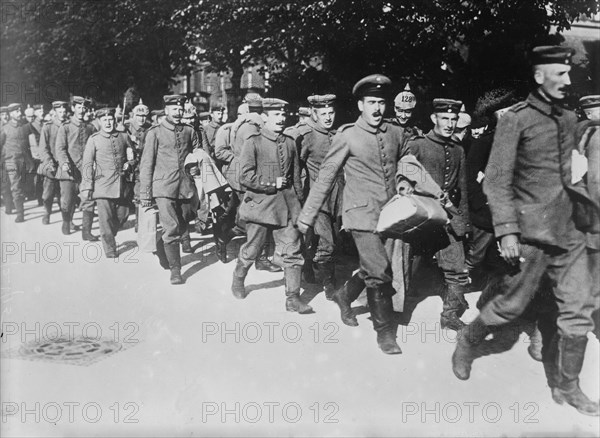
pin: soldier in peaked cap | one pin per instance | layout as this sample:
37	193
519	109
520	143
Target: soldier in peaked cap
163	179
34	182
313	140
216	120
377	165
444	159
70	144
270	174
303	115
48	161
532	203
106	179
16	158
3	115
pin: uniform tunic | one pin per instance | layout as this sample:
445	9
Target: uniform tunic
16	157
529	190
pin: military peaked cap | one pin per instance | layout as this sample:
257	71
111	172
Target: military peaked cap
322	101
589	101
551	55
446	106
272	104
174	99
373	85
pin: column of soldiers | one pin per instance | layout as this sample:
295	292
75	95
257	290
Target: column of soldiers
288	188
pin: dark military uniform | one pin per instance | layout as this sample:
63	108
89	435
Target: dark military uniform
49	164
70	144
211	134
16	158
105	181
163	178
35	181
137	135
445	161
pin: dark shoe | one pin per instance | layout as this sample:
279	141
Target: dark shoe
239	275
344	297
110	246
46	219
186	244
266	265
571	352
452	322
20	212
174	258
326	277
293	303
86	227
160	253
66	225
47	212
380	305
465	353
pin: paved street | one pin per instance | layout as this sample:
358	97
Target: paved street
121	352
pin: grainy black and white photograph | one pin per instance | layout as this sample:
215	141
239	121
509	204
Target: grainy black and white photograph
319	218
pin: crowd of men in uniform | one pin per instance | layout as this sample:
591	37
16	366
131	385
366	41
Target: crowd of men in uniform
519	184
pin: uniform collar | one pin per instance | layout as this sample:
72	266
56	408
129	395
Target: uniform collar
57	122
544	105
13	123
431	135
167	124
318	128
76	121
362	123
269	134
115	133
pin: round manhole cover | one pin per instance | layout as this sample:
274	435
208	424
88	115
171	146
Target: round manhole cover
69	350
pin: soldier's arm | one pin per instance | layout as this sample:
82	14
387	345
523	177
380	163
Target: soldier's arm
61	146
249	166
147	164
87	174
223	150
320	190
44	146
499	174
463	206
297	180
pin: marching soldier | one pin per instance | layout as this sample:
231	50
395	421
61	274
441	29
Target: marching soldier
108	177
377	165
3	115
137	128
304	115
48	162
35	182
462	132
404	106
532	201
445	161
16	158
314	140
270	174
164	179
70	144
216	116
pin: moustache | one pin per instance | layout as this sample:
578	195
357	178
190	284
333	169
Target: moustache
377	114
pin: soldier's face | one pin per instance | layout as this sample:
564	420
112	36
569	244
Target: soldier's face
274	120
554	79
403	114
372	109
444	124
39	113
592	113
174	112
140	119
30	118
204	122
15	115
4	117
217	116
107	123
79	110
61	113
478	132
324	117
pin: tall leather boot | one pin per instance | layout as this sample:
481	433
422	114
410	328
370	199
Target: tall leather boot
66	225
174	257
308	272
47	211
571	352
20	211
110	246
9	204
454	305
86	227
239	275
161	254
293	303
326	276
380	304
186	243
344	297
466	348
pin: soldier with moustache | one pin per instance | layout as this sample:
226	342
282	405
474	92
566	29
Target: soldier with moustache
377	165
163	178
16	157
48	161
270	174
533	201
71	139
216	120
107	177
313	139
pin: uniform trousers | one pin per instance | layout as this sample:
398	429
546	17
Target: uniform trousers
324	237
174	215
51	189
288	252
570	279
112	215
374	253
13	180
69	191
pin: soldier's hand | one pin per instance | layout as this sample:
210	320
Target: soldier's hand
146	202
405	188
510	249
302	227
194	171
86	195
